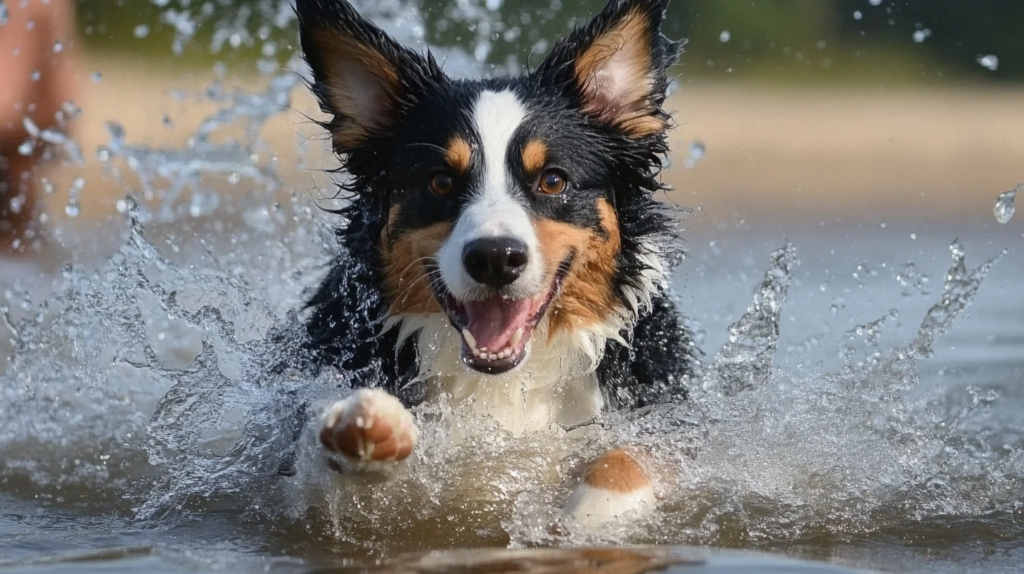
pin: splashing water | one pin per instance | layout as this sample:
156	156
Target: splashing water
162	389
1005	208
183	376
188	168
745	361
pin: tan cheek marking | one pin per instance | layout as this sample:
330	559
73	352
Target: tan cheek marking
588	295
406	281
458	154
616	471
535	156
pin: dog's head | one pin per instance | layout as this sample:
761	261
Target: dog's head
500	203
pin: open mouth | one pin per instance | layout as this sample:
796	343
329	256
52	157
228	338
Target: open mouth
496	330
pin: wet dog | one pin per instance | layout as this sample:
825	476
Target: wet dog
502	247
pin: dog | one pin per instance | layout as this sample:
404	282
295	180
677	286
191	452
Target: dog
501	246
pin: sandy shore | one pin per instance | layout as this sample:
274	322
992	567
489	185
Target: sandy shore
798	154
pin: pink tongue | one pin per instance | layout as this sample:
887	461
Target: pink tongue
492	321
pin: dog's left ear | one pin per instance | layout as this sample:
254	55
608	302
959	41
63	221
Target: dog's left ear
616	66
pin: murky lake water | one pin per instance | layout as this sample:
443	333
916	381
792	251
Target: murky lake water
852	410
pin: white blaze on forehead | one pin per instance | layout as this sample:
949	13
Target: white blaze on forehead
497	116
494	208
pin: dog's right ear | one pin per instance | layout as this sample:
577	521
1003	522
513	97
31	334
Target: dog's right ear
361	76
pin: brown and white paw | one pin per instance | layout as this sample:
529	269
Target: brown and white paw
615	486
368	430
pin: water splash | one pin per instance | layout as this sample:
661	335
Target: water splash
177	394
137	336
957	293
158	388
746	359
201	159
803	456
53	136
1004	207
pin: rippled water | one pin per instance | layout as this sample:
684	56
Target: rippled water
850	408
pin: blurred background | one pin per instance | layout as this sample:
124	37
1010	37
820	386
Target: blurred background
809	110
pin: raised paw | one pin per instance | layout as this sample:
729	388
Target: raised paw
369	426
613	487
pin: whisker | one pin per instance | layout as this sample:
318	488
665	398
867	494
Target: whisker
434	147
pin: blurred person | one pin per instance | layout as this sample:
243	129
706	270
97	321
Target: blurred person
37	71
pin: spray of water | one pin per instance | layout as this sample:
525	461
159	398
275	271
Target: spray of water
161	388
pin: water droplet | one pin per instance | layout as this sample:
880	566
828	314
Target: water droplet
875	2
725	36
697	153
96	77
990	61
141	31
957	249
1005	208
922	35
857	15
71	109
27	147
58	47
35	75
3	14
73	208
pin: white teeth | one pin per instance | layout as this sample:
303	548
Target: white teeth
484	354
470	340
517	336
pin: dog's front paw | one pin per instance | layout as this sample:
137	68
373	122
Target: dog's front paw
369	426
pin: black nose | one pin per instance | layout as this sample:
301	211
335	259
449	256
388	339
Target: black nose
495	261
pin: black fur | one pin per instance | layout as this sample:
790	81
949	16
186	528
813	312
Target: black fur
349	308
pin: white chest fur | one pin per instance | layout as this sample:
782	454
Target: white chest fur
555	385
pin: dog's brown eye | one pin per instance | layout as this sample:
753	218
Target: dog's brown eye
552	182
441	184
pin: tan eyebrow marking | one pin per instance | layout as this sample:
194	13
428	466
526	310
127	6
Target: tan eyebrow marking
535	155
458	154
